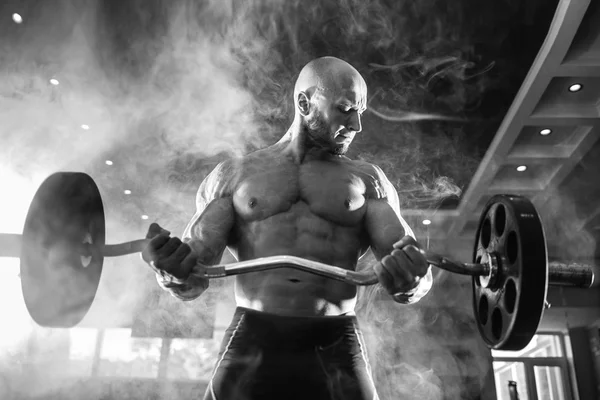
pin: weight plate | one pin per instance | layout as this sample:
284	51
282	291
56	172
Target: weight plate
509	310
58	282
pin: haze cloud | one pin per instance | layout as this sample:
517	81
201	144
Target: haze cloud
169	88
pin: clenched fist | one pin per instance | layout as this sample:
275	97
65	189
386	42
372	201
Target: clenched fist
168	256
405	272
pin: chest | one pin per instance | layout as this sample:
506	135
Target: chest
330	191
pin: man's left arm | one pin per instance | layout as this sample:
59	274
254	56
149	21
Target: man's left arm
401	266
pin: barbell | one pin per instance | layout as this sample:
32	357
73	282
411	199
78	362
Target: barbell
62	250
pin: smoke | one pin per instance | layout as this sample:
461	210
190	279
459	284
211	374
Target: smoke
166	89
431	349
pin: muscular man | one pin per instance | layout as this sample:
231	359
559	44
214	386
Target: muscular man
294	335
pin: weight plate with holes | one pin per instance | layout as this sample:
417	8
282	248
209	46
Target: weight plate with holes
58	282
509	309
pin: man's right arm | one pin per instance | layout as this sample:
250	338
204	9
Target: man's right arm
207	233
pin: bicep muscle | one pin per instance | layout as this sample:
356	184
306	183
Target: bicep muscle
208	231
384	223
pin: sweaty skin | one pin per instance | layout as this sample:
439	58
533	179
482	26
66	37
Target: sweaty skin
302	197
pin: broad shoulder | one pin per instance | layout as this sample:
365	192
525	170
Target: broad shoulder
223	179
215	184
378	185
383	190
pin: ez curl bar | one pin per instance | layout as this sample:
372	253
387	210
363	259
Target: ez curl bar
63	247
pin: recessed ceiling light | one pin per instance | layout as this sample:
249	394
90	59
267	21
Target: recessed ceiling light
545	132
108	162
17	18
426	222
576	87
144	216
127	191
84	126
521	168
54	81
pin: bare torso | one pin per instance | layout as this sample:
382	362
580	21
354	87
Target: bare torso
314	209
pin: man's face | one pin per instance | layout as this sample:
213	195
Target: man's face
336	116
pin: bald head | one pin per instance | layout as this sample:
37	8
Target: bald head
330	96
329	76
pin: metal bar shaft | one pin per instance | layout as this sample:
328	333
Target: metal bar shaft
117	250
458	268
300	263
259	264
314	267
273	262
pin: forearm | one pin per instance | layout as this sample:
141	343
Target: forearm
208	254
206	234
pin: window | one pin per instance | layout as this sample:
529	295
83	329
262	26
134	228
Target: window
82	346
540	370
125	356
115	353
192	359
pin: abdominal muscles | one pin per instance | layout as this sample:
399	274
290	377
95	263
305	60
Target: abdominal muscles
286	291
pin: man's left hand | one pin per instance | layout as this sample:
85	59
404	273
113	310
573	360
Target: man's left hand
402	272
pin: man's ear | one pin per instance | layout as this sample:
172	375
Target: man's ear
303	104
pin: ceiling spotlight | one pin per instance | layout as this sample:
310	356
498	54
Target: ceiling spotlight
426	222
127	191
576	87
144	216
55	82
17	18
84	126
108	162
521	168
545	132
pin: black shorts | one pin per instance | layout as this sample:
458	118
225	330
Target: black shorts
266	356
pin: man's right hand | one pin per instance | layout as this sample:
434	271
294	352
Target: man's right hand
168	256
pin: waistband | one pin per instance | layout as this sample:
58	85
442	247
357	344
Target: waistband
277	330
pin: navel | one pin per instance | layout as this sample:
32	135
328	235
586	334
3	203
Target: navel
347	203
252	202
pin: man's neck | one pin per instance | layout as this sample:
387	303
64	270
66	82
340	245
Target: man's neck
299	146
